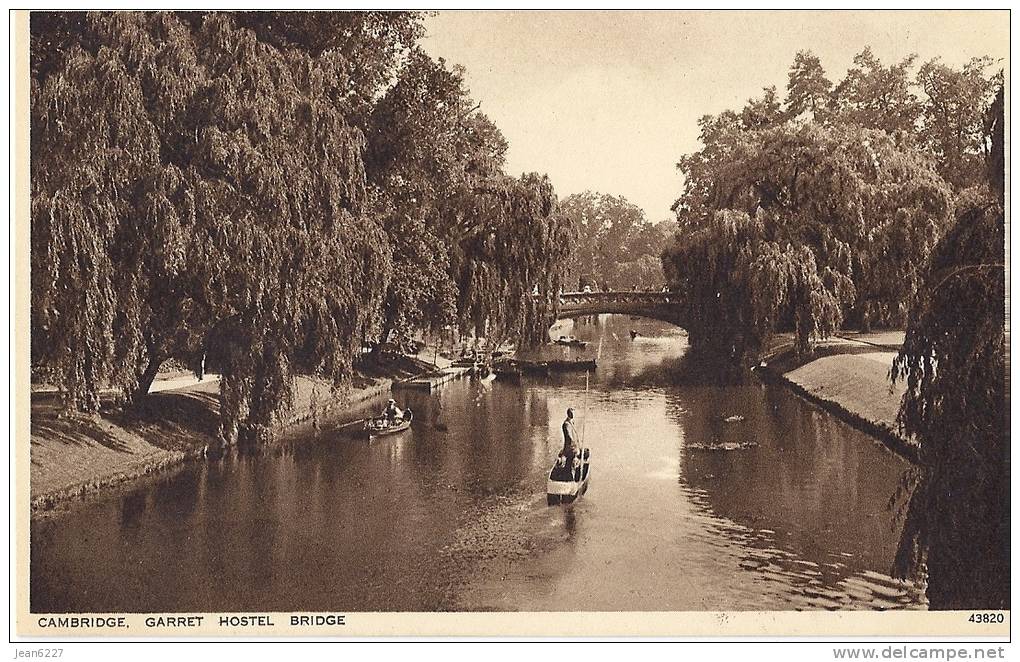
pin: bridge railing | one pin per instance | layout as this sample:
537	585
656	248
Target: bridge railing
623	297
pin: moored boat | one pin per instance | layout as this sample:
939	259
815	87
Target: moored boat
515	368
554	365
563	364
544	367
508	372
381	425
566	486
571	341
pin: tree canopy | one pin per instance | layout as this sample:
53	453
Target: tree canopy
822	210
614	244
953	127
470	241
433	159
800	226
807	89
268	189
876	96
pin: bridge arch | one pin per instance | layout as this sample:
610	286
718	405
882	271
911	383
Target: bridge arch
662	306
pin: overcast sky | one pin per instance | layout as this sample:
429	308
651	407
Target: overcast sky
608	101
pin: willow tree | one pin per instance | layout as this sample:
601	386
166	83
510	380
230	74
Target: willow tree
470	243
372	43
103	227
521	249
295	266
191	180
954	363
798	226
429	153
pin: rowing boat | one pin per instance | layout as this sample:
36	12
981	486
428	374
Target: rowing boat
565	486
381	425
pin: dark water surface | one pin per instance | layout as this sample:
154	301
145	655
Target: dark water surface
451	515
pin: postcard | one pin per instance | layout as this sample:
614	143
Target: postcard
511	323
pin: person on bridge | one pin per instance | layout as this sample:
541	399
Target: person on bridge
571	446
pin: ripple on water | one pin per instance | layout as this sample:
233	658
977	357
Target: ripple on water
786	580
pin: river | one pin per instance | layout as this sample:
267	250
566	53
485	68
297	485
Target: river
451	515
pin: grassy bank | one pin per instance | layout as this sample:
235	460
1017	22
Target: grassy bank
73	455
848	376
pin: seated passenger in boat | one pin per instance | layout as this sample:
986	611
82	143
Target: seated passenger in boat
392	411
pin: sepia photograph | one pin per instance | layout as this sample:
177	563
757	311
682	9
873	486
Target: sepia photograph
519	322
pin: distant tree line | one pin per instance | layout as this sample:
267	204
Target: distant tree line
615	245
273	189
874	201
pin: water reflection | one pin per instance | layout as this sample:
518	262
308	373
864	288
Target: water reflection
569	521
451	514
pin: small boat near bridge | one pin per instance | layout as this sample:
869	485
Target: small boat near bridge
571	341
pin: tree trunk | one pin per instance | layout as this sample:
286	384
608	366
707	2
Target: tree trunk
866	319
388	326
147	377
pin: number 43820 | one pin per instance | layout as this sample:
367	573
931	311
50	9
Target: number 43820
986	618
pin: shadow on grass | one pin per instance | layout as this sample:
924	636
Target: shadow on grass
788	359
172	420
49	421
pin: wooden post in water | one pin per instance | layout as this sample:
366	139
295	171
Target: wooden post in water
585	421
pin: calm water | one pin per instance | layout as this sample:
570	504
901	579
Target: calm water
452	516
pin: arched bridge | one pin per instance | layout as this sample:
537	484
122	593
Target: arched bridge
663	306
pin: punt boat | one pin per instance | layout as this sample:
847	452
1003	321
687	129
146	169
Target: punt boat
566	486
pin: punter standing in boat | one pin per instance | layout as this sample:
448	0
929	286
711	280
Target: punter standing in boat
571	446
